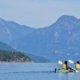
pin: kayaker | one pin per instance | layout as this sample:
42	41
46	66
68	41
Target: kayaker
77	65
66	67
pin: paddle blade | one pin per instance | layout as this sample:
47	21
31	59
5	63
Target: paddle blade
60	62
70	61
77	71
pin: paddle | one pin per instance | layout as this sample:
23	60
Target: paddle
60	62
70	61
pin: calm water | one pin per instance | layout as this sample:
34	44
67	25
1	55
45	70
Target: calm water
33	71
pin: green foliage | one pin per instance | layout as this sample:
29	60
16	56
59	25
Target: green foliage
13	56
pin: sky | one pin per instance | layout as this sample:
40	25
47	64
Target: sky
38	13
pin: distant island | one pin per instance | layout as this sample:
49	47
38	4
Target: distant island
13	56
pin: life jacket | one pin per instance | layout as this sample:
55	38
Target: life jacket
77	66
64	66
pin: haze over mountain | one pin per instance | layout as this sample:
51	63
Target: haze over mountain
61	40
4	46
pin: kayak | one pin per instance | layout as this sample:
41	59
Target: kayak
63	71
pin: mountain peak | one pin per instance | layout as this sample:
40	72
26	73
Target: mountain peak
66	18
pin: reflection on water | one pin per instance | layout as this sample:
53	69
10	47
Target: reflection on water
68	76
35	71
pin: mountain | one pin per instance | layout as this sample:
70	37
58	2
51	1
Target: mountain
10	31
4	46
59	41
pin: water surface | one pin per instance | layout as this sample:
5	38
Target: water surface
33	71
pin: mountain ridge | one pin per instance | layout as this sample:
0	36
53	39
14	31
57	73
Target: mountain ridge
10	30
60	39
4	46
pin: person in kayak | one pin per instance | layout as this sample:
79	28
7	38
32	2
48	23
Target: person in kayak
77	65
66	67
